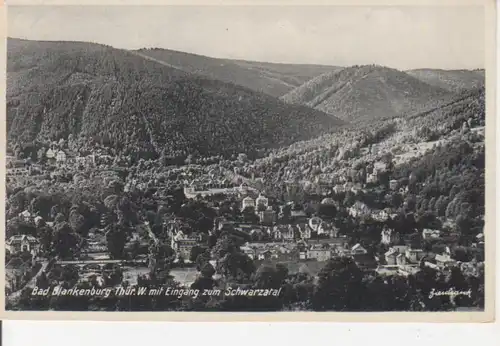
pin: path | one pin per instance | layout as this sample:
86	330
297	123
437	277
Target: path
147	57
150	233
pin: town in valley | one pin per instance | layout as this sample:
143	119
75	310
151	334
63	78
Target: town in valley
269	187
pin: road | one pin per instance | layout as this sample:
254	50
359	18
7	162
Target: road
104	261
150	232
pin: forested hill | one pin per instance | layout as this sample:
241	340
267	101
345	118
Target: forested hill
452	80
408	140
368	92
139	106
273	79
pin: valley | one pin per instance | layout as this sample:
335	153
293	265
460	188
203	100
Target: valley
155	168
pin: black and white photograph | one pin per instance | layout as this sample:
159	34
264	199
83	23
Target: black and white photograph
246	159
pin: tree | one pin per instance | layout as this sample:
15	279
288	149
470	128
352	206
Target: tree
261	207
236	266
411	202
464	226
224	245
207	271
45	235
195	252
327	211
77	223
189	159
231	262
202	259
180	261
116	239
461	254
242	157
339	286
205	280
270	276
428	220
396	200
18	226
441	205
249	215
111	202
65	241
41	205
59	218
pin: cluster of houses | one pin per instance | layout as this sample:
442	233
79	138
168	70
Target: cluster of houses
195	189
17	168
320	250
360	210
300	242
22	243
355	188
403	259
54	157
311	239
63	158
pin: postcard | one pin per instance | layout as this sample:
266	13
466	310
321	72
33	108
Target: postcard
257	161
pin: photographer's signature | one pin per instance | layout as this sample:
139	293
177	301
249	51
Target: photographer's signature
450	292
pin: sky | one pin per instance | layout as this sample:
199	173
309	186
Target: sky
399	37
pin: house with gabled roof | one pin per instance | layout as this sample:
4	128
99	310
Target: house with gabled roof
61	156
444	260
319	252
390	256
22	243
359	209
358	250
431	234
50	154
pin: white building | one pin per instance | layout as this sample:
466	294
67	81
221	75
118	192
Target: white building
22	243
431	234
387	236
61	156
338	188
50	154
393	184
379	167
359	209
414	255
372	178
358	250
248	202
381	215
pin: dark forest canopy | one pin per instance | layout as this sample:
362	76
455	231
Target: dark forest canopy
60	88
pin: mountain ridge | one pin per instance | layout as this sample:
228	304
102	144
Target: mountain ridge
274	79
56	89
367	92
452	80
